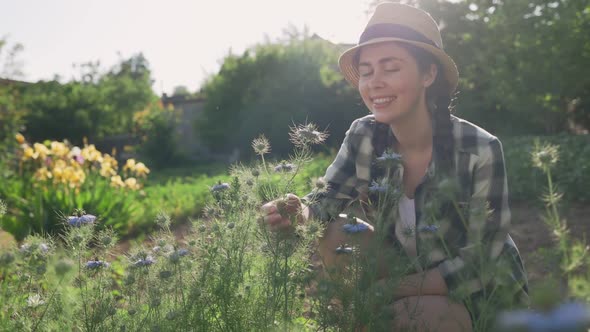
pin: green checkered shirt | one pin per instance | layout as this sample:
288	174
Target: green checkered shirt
456	248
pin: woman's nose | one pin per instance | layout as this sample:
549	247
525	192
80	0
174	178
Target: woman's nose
376	80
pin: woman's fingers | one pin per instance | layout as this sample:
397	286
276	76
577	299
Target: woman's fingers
269	208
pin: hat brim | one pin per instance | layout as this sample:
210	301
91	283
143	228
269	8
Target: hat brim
351	74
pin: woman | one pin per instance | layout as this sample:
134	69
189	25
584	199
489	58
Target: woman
406	81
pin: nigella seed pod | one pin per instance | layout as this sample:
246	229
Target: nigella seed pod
231	225
130	280
155	302
6	258
41	269
171	315
106	240
165	274
77	239
195	293
131	311
62	267
202	228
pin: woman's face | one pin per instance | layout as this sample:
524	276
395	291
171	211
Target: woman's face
391	83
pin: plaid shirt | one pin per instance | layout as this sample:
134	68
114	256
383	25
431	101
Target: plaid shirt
482	200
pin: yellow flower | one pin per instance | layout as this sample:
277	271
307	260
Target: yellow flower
58	174
91	154
141	169
43	174
19	138
75	177
132	184
130	165
29	153
108	166
117	182
59	149
42	150
107	170
60	163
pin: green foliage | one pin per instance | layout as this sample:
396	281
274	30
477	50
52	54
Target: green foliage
571	174
573	254
95	106
523	64
271	86
11	122
156	126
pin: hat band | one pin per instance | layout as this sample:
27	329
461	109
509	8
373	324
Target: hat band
396	31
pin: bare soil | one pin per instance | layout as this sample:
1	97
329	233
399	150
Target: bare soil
532	235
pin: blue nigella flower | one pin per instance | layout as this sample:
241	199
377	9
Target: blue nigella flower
284	167
377	188
355	228
344	250
96	264
182	252
82	220
568	317
146	261
389	157
428	228
220	187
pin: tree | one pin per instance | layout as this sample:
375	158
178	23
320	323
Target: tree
272	86
95	106
522	63
11	65
181	90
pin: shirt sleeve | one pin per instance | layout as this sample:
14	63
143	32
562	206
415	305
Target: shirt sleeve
341	180
487	219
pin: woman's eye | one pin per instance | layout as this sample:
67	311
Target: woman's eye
366	73
392	70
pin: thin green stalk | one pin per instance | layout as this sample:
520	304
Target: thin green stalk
48	304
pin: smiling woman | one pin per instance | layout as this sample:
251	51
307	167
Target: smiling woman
446	197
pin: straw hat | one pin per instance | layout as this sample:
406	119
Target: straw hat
401	23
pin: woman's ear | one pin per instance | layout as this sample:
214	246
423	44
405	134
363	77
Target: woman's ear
430	75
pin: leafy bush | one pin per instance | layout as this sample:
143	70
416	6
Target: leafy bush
571	174
156	126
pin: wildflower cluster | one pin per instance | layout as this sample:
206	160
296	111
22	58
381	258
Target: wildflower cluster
59	163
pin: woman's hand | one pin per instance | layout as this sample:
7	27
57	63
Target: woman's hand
282	214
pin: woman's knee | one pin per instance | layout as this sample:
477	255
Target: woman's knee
430	313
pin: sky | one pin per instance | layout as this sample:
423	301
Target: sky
183	40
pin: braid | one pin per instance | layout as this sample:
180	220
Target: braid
443	134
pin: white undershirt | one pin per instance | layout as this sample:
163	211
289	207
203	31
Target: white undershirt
405	229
